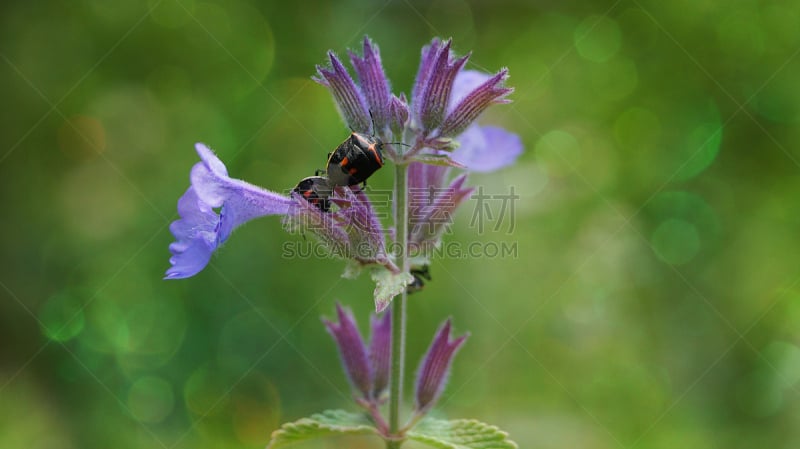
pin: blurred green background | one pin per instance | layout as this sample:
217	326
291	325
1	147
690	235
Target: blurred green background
653	302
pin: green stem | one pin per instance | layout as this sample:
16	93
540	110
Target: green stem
399	304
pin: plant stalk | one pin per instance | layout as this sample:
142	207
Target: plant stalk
399	304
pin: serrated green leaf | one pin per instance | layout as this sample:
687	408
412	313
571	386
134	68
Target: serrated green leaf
388	285
327	423
460	434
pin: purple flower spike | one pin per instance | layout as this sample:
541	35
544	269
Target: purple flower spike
374	84
200	230
352	350
429	53
475	102
435	94
380	352
435	366
348	98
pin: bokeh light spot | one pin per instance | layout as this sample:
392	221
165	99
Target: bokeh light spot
256	406
235	342
685	224
757	394
784	358
637	127
96	205
779	100
150	399
61	317
204	393
597	38
615	79
82	137
557	152
156	328
704	142
675	241
106	328
741	37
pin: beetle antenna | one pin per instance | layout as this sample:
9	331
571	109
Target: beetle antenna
372	118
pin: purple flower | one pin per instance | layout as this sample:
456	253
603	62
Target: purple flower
200	230
434	83
481	148
353	231
363	228
374	84
432	205
380	352
352	350
367	369
435	366
356	102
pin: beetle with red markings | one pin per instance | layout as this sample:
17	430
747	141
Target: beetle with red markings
355	160
316	190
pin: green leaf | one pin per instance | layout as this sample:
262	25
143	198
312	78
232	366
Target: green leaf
327	423
460	434
388	285
437	159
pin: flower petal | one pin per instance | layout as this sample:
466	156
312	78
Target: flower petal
200	230
398	115
374	84
380	352
435	94
363	227
475	102
305	217
435	366
487	148
348	98
429	53
422	176
431	214
196	236
352	350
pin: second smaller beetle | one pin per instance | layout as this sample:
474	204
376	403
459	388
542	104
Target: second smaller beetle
316	190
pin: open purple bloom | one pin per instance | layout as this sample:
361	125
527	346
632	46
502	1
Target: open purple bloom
435	366
200	230
352	351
